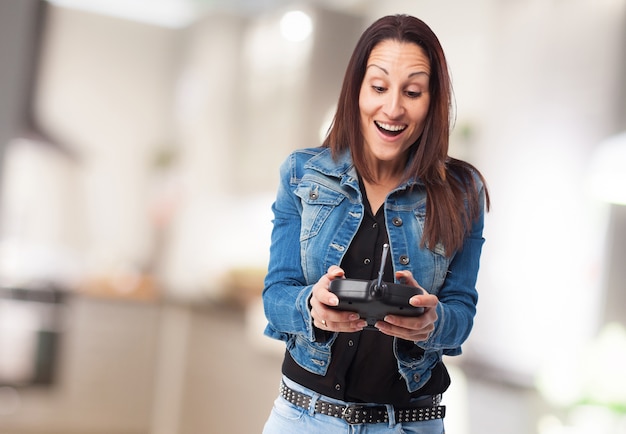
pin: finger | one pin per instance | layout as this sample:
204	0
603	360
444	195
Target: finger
339	318
318	320
421	324
424	300
414	323
401	332
324	298
334	272
340	326
348	327
406	277
322	295
321	323
426	321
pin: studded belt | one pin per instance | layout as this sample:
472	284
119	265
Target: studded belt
425	409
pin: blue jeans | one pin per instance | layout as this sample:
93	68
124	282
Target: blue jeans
286	418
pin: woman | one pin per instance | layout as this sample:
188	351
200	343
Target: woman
382	176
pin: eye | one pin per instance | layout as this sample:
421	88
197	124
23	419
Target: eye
412	94
378	89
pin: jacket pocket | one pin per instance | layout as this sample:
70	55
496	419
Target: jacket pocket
317	203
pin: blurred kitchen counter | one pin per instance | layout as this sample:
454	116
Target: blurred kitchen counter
145	366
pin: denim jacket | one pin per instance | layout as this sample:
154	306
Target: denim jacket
317	212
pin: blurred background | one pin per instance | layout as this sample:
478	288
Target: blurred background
139	149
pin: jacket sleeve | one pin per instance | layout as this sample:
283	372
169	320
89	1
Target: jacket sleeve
286	293
458	296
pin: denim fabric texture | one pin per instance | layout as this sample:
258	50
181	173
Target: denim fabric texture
317	211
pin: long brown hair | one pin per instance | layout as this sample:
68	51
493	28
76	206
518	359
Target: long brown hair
453	201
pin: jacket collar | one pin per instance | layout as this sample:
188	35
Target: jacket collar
324	163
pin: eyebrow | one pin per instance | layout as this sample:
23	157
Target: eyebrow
387	72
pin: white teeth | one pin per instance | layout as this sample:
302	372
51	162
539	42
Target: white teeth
389	127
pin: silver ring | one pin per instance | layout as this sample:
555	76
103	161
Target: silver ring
324	322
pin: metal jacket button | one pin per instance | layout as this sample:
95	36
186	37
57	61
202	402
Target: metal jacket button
397	221
313	195
404	259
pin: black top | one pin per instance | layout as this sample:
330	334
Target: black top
363	367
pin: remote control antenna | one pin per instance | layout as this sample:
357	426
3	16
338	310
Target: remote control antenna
383	261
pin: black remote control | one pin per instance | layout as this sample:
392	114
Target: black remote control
374	299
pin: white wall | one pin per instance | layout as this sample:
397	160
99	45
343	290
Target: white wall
536	86
106	92
552	97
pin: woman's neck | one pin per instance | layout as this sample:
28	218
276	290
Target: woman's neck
385	177
378	191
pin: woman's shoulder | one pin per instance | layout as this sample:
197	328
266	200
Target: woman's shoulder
319	159
294	164
302	155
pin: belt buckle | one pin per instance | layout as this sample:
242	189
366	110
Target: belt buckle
354	414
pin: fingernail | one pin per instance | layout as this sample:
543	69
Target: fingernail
334	301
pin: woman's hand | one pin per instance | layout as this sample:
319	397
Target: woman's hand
329	319
415	329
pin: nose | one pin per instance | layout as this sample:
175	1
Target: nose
393	107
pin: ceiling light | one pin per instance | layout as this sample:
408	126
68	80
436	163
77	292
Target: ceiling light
296	26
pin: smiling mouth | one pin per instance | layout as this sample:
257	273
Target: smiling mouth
388	129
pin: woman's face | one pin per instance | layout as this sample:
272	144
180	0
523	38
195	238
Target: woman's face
394	99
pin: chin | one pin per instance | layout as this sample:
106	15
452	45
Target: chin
386	153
